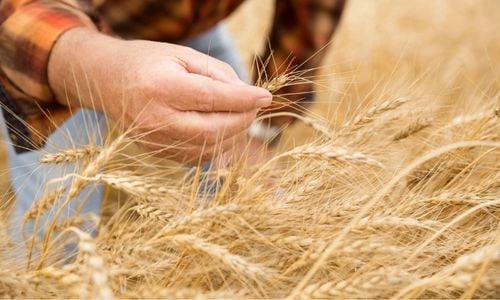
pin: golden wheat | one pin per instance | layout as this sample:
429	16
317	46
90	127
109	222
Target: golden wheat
399	197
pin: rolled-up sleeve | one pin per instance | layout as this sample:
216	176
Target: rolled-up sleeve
28	31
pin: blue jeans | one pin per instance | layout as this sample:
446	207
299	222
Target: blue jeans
29	178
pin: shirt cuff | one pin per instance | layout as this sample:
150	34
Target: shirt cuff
28	36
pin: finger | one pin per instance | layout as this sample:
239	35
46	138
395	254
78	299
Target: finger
233	143
206	152
230	145
202	64
211	128
199	93
222	145
237	152
195	153
233	152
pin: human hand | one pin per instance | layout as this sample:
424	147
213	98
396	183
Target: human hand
181	103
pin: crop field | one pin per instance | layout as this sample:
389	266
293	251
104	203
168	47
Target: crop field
387	187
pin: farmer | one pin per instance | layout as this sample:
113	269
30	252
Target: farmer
170	68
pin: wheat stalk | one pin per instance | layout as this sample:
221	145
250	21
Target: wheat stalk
321	220
77	185
47	201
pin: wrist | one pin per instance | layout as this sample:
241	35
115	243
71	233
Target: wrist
73	66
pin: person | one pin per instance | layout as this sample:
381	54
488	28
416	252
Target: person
170	68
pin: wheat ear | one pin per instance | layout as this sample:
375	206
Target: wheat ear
413	128
372	114
233	261
71	155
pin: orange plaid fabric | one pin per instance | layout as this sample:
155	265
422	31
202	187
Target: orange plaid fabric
30	28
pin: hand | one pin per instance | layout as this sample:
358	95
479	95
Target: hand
256	153
181	103
252	153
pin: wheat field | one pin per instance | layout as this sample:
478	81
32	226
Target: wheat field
387	187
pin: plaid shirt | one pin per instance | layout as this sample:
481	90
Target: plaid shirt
29	29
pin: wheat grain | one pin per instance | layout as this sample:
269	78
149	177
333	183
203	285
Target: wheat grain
151	213
323	219
371	114
331	153
201	215
135	185
233	261
70	155
413	128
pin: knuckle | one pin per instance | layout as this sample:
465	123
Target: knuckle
229	69
180	49
205	99
189	50
145	85
226	66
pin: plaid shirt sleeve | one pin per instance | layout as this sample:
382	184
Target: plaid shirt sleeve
28	31
301	31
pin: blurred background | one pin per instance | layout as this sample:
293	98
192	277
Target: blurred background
446	50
